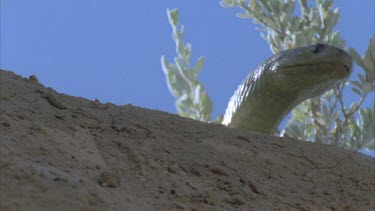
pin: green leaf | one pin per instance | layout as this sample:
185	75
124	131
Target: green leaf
357	91
361	78
357	58
198	66
197	94
206	106
325	111
369	58
298	115
173	15
164	64
219	119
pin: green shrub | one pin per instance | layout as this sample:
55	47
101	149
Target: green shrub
325	119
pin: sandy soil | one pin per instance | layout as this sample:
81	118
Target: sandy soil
59	152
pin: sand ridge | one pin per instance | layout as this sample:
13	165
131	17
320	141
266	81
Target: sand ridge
59	152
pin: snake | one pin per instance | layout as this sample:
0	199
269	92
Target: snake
282	82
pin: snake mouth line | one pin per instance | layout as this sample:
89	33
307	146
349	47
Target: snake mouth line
347	67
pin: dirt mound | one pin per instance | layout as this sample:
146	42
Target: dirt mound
60	152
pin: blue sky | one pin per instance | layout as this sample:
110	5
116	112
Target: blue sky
110	50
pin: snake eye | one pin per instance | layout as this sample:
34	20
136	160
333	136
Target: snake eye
318	48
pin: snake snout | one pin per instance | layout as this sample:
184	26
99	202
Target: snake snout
347	68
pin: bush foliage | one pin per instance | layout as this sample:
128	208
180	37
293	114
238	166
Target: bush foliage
325	119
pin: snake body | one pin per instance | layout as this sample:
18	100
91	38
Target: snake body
283	81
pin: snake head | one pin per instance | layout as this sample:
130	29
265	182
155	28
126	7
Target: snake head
311	70
276	86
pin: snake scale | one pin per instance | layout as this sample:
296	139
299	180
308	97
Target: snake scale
283	81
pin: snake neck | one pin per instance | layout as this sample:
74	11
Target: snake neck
261	109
